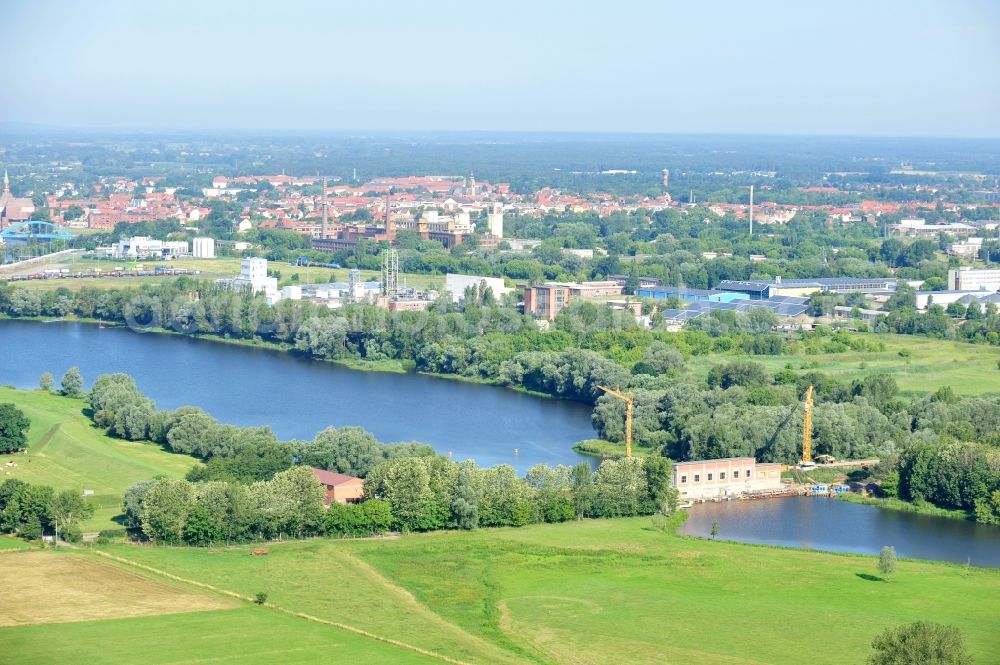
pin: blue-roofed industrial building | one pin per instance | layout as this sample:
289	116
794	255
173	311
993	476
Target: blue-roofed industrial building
689	295
782	306
787	298
754	289
762	290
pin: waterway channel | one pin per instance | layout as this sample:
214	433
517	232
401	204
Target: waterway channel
299	396
838	526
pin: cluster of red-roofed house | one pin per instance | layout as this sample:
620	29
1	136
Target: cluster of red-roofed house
329	209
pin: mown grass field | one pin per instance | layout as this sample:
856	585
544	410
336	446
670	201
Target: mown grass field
919	364
603	591
66	451
12	544
68	607
208	269
247	636
324	579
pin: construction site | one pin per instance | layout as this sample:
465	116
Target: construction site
745	478
394	296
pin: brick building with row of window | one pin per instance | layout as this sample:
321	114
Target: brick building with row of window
728	477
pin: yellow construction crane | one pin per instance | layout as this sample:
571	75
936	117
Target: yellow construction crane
627	398
807	429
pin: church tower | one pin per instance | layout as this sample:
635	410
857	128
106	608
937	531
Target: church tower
5	198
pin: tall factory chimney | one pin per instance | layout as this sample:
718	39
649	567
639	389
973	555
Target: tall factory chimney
326	214
390	225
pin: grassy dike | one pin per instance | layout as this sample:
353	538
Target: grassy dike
66	451
594	591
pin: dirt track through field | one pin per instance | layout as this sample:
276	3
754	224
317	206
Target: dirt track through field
57	587
44	441
301	615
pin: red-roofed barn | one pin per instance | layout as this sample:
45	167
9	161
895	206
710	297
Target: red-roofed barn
340	487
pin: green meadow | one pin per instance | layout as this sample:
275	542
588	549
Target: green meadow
13	544
919	364
248	636
324	579
66	451
601	591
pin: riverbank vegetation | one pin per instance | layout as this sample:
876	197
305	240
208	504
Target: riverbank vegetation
486	340
893	503
938	448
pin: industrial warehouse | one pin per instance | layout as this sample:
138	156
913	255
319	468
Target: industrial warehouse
725	478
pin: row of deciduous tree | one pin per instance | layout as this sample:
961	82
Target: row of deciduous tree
435	493
290	505
408	493
952	475
743	410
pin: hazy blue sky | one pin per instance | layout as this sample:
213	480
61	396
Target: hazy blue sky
885	67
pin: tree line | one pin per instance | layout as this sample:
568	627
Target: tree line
254	487
973	322
404	494
740	409
289	505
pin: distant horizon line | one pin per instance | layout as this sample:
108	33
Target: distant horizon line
30	128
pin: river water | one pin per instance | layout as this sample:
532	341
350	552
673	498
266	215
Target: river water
297	396
838	526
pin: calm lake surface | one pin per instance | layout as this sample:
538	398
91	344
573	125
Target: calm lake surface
297	396
838	526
